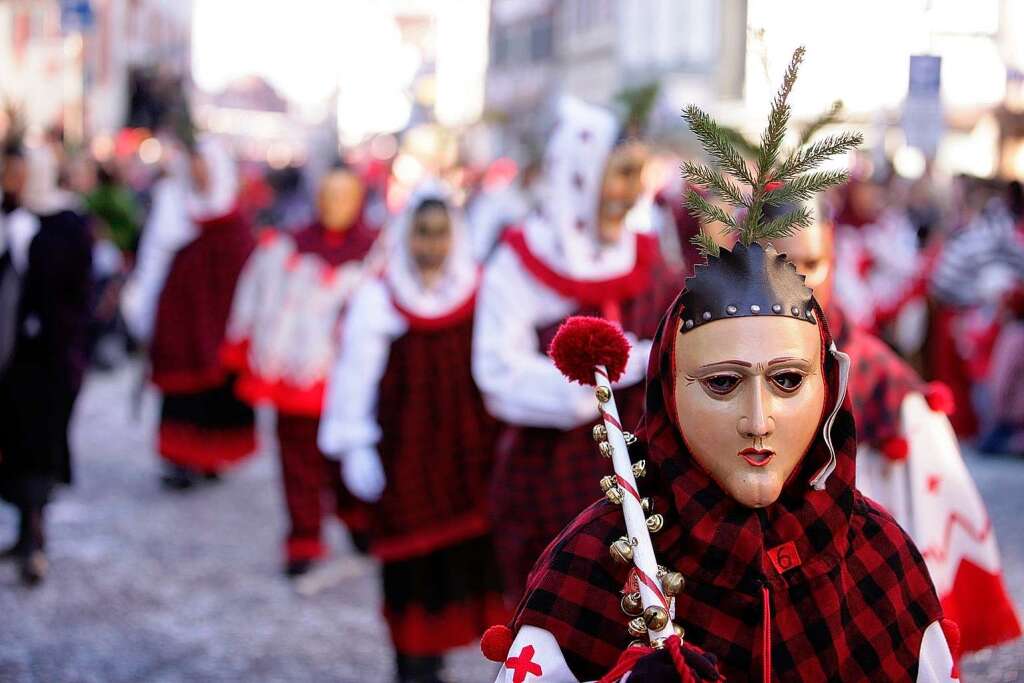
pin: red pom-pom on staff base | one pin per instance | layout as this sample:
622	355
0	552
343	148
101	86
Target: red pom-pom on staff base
940	398
896	449
496	642
582	343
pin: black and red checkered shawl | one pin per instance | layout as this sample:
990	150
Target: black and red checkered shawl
819	586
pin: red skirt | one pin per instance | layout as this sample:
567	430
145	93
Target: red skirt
206	431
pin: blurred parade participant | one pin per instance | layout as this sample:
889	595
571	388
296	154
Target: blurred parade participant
409	426
44	313
281	339
1006	433
572	256
193	248
908	460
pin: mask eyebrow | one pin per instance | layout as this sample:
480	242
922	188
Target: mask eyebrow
787	359
742	363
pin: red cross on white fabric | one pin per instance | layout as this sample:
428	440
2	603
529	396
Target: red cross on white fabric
933	483
523	665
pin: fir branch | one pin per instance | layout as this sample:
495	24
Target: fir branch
705	211
705	244
716	144
805	158
804	187
699	174
746	147
826	119
785	225
775	133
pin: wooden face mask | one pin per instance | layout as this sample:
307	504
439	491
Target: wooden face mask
750	394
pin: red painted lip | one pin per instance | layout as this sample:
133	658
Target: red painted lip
756	456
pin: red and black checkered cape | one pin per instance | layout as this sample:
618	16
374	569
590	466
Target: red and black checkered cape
526	516
879	381
852	605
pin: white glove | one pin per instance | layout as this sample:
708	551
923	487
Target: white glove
636	366
363	474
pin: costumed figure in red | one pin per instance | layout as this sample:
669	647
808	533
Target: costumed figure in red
282	340
770	563
192	251
909	461
573	255
410	429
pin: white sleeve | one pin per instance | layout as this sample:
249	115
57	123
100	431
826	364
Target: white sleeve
165	233
349	419
535	656
520	384
935	662
247	296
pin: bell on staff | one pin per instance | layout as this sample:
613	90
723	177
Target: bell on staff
607	482
639	468
631	605
637	628
637	643
680	631
600	433
621	550
614	495
655	617
646	504
655	523
672	583
629	438
606	449
604	394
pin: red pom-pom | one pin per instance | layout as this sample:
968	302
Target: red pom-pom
582	343
896	448
940	398
496	642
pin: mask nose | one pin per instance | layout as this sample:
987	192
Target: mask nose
756	422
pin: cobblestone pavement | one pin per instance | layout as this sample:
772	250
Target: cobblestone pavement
146	586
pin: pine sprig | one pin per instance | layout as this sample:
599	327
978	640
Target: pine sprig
804	187
716	182
805	158
708	211
769	182
716	144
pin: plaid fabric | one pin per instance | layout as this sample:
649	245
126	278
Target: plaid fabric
879	381
853	608
311	483
527	517
437	446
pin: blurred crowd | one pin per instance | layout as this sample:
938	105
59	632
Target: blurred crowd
345	298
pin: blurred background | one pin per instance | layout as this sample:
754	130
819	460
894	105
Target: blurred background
400	91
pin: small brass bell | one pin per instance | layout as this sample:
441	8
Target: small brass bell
621	550
629	438
600	433
680	631
604	394
655	523
672	583
637	628
639	468
655	617
631	605
606	449
637	643
614	495
647	505
607	482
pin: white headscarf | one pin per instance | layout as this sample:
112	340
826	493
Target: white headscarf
458	281
563	231
43	195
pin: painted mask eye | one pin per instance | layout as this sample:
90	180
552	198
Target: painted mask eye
788	381
720	384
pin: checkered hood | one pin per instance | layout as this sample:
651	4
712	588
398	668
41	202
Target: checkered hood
849	596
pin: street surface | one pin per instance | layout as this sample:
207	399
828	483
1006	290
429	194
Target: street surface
149	586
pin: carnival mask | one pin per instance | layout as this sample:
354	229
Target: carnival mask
749	394
340	199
